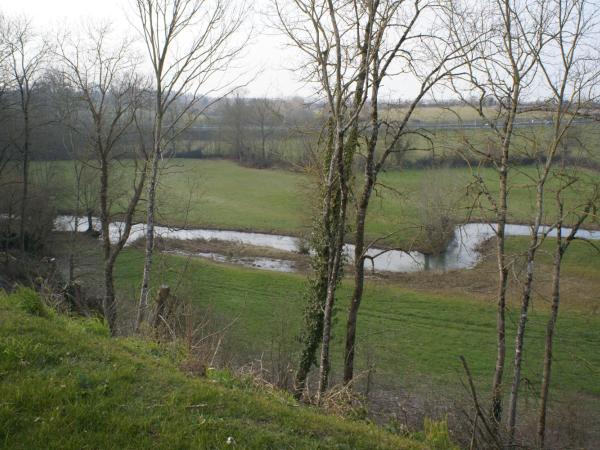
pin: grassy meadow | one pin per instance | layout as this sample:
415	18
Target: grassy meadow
448	130
409	334
407	321
223	194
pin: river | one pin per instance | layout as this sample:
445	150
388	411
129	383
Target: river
461	253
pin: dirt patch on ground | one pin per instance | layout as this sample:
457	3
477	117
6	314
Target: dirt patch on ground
230	250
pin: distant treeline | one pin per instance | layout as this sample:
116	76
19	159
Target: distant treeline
257	132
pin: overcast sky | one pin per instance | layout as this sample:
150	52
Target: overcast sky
266	61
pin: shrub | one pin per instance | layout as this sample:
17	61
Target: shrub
437	206
29	301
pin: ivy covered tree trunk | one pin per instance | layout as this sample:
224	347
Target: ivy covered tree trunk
313	321
336	256
312	329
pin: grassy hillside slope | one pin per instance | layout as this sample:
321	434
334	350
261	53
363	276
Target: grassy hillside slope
65	384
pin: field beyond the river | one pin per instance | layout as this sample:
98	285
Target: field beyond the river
222	194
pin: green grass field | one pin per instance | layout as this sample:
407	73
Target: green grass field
409	335
433	113
222	194
66	385
406	330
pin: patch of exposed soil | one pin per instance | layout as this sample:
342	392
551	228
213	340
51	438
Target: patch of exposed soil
229	249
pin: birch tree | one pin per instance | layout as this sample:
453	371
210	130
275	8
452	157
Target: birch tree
188	44
499	70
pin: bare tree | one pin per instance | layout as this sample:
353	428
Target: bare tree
399	44
335	38
66	102
236	114
499	70
5	82
266	116
351	47
567	28
104	75
577	215
188	42
26	55
6	150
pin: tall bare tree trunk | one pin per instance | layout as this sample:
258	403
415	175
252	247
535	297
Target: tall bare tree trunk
188	42
502	285
359	279
502	212
524	312
108	301
263	141
109	305
545	389
24	198
560	248
110	90
25	191
150	211
376	60
359	258
73	237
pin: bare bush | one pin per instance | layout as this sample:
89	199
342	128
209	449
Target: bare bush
438	204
